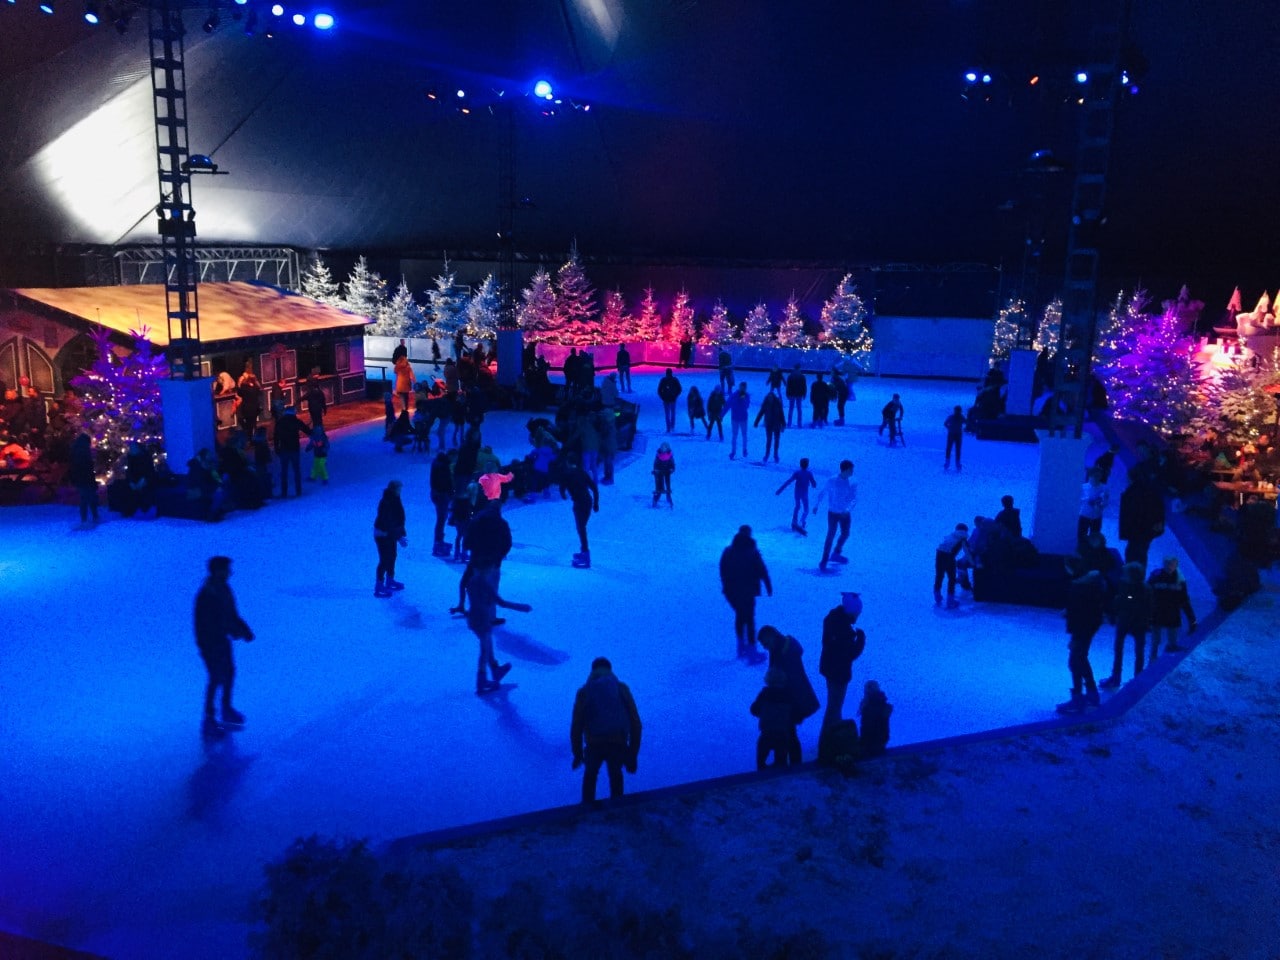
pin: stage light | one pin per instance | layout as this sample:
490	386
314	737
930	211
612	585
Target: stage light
277	10
91	12
46	7
211	24
1124	77
542	89
461	93
241	3
1133	89
299	19
986	78
432	95
323	21
1034	80
1082	77
465	110
971	77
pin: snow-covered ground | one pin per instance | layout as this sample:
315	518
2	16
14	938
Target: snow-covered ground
124	835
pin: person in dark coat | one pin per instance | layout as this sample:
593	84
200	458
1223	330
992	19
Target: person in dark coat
288	444
487	543
693	403
715	411
804	482
840	387
954	425
316	405
249	390
742	573
441	496
217	621
81	476
820	400
664	465
842	643
724	362
786	654
775	419
797	390
605	729
668	391
1142	515
875	711
778	736
1170	602
388	532
1009	517
1086	606
140	475
577	483
775	380
1132	611
623	361
891	417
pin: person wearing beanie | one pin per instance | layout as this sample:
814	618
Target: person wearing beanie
605	729
772	706
842	643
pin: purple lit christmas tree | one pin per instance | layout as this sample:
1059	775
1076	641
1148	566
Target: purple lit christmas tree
575	316
120	401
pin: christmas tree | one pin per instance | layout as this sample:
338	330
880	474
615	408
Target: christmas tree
365	291
318	283
718	329
791	329
757	330
446	307
680	324
844	321
575	316
536	313
120	401
484	310
649	319
1050	328
1235	407
616	325
400	316
1011	325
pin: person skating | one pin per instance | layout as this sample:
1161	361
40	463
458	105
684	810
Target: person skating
605	729
488	541
875	710
775	419
840	387
1093	501
944	563
775	380
289	432
1141	515
804	482
954	426
820	401
664	465
140	475
1131	609
624	368
891	417
1170	602
441	498
841	494
217	622
742	573
724	361
668	392
81	475
1086	608
319	450
388	532
715	412
483	601
786	654
739	408
842	643
697	411
772	706
578	485
797	390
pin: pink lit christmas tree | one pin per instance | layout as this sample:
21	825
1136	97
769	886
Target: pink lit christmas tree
649	319
616	325
680	325
791	328
575	314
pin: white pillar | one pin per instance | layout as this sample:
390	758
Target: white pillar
1022	378
188	419
1058	493
510	356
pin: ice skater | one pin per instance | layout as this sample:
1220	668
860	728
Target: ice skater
483	601
697	410
319	450
954	426
797	390
739	409
944	564
742	573
664	465
605	729
1131	608
388	532
578	485
891	417
81	476
217	621
1093	501
778	736
842	643
715	412
668	392
841	494
775	419
803	481
1086	607
1170	601
786	654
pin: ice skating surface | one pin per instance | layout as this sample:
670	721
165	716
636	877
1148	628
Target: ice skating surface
125	835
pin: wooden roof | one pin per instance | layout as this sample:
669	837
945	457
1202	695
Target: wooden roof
228	311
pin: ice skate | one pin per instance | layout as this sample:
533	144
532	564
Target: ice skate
231	717
952	603
1110	683
380	590
839	558
1092	699
582	560
394	584
1075	705
500	671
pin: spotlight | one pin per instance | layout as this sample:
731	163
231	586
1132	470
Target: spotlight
91	12
461	93
47	6
1124	77
465	110
211	24
323	21
432	95
241	3
971	77
986	78
1082	77
299	19
1034	80
277	10
542	89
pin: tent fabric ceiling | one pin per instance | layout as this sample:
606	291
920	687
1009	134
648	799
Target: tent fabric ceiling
719	128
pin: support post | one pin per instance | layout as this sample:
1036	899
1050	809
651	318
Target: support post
1058	493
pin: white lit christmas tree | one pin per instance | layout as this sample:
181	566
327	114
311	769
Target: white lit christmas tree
757	329
1235	406
844	321
537	310
616	325
484	310
680	324
401	316
1049	331
791	327
649	319
318	283
364	291
1010	324
575	316
446	306
718	328
120	401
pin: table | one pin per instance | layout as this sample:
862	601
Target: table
1246	488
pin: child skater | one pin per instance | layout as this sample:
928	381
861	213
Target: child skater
664	465
804	481
319	450
777	729
874	711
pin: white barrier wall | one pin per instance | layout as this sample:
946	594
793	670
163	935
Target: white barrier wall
932	346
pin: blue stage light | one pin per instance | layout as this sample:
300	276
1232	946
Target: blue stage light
46	7
1082	77
299	18
986	78
277	10
542	89
322	21
461	93
241	3
971	77
1133	89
